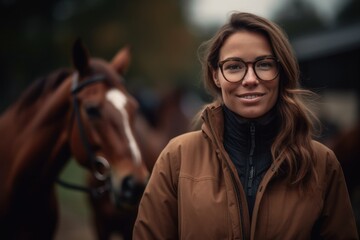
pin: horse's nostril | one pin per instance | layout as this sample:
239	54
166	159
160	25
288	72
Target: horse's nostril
131	190
129	182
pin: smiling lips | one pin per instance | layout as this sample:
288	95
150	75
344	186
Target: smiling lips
250	96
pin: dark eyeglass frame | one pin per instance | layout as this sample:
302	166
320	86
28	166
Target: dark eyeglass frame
253	63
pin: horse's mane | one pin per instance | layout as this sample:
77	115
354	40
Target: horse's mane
42	85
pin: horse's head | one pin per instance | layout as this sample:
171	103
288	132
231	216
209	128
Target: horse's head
102	135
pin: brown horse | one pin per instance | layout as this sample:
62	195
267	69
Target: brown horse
168	121
171	117
84	112
346	146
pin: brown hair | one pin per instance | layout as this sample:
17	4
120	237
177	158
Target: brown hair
293	142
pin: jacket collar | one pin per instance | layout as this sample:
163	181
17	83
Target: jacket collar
238	131
213	122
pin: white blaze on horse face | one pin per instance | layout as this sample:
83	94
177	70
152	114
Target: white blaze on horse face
118	99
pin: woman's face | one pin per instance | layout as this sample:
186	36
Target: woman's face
251	97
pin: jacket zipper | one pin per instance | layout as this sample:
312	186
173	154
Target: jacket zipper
237	191
251	164
236	187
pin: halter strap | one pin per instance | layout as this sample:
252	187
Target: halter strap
75	88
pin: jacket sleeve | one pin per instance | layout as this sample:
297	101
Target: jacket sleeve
157	214
337	220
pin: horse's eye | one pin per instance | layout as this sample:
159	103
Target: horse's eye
93	111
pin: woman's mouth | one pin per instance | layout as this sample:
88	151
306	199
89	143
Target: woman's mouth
251	96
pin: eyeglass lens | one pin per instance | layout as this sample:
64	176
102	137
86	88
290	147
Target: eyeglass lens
235	70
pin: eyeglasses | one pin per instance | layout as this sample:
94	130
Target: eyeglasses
235	69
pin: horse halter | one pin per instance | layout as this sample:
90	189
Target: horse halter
94	160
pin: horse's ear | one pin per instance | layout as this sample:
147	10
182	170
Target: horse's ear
80	57
121	60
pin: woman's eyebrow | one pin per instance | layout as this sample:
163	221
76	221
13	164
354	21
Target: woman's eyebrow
239	58
263	56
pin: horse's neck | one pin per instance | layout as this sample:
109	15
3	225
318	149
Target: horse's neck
51	124
36	136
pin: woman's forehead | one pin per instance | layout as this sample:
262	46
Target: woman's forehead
245	45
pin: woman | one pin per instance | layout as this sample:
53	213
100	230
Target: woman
253	171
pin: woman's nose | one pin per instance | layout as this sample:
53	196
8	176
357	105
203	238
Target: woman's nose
250	77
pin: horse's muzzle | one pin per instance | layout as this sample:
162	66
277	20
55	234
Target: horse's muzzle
130	192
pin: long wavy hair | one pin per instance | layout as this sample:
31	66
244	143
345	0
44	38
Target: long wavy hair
293	142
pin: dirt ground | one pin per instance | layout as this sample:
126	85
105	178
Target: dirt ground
73	226
75	220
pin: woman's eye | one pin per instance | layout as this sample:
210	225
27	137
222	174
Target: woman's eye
265	65
234	66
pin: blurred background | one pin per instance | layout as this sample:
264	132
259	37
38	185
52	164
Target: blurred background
164	35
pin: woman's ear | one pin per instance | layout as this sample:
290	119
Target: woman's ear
216	79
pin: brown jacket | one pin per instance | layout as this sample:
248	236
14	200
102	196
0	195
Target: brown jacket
195	193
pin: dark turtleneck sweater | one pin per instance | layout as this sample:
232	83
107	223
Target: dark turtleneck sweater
248	143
